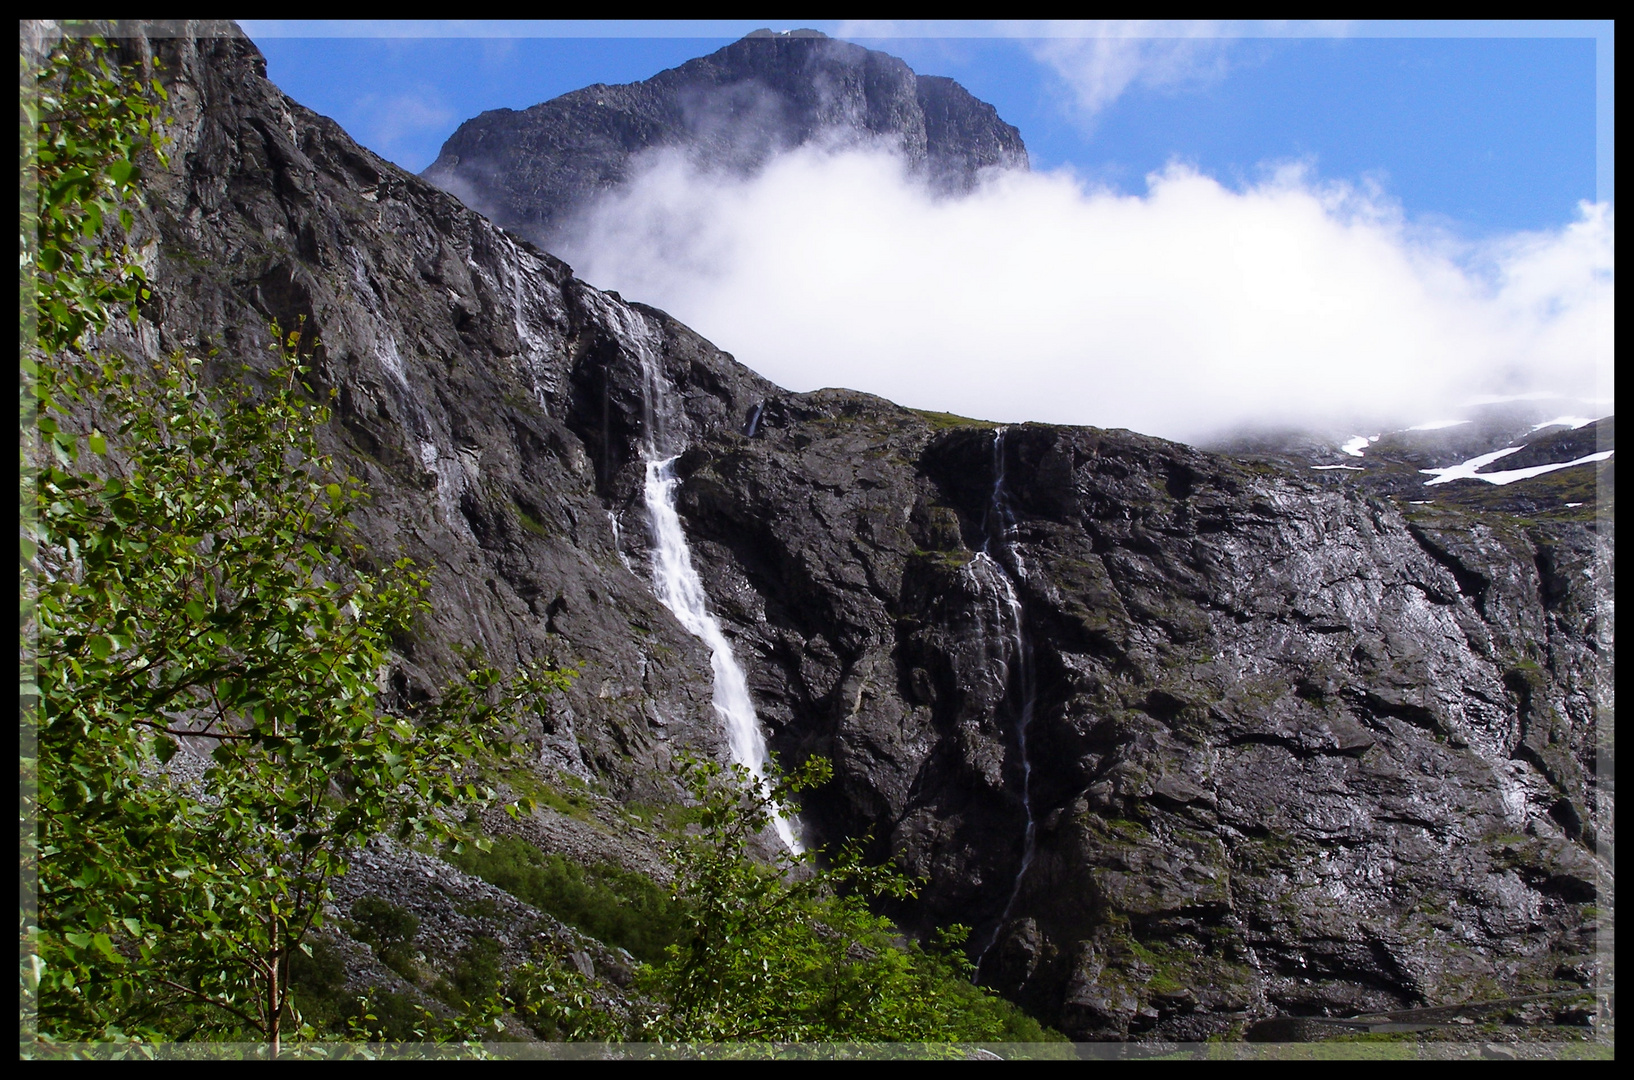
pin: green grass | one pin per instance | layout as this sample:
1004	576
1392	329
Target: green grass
670	819
952	560
614	905
942	421
573	798
529	522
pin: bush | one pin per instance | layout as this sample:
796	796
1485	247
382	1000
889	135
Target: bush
389	930
791	952
319	983
475	977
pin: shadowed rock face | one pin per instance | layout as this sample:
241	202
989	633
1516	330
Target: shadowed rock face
1292	748
529	171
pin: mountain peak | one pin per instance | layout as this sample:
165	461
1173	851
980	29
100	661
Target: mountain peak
802	33
532	170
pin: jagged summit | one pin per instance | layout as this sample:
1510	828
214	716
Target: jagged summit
529	171
806	32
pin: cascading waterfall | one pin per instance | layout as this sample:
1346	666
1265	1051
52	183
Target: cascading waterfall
677	584
1000	568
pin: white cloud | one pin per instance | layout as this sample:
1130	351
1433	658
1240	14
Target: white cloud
1187	311
1103	60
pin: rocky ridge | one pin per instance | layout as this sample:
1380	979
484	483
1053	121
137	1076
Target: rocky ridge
1292	747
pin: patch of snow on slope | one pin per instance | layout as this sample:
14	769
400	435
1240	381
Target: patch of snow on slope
1572	422
1466	470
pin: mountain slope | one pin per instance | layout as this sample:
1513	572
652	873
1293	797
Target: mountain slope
1258	743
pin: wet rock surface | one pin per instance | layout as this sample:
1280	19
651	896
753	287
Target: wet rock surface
730	111
1294	748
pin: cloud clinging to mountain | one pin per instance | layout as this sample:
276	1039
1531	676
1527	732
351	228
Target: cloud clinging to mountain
1187	311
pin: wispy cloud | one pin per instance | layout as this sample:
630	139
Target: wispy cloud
402	127
1099	62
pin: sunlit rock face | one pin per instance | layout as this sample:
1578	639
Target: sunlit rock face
530	171
1293	746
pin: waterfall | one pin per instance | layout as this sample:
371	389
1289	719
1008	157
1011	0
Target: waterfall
618	541
676	582
1004	570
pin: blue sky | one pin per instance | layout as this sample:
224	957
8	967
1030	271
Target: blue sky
1480	133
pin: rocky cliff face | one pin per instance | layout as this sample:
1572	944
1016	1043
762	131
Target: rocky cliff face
1285	747
529	171
1188	740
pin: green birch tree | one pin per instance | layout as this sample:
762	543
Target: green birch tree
210	741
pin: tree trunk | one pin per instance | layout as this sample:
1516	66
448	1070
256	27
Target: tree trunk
275	1007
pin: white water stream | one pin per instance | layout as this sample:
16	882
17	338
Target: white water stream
680	589
676	581
1000	571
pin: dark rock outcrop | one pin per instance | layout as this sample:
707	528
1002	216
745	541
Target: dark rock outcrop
529	171
1292	748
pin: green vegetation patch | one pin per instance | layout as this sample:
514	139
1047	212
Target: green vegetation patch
475	976
572	798
387	929
529	522
943	421
614	905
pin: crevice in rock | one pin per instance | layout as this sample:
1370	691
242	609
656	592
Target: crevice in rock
1472	583
1552	585
1280	741
1372	705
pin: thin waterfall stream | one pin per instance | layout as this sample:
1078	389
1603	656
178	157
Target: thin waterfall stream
677	584
1004	568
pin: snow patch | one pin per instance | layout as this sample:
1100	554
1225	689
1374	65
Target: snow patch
1467	470
1573	422
1437	425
